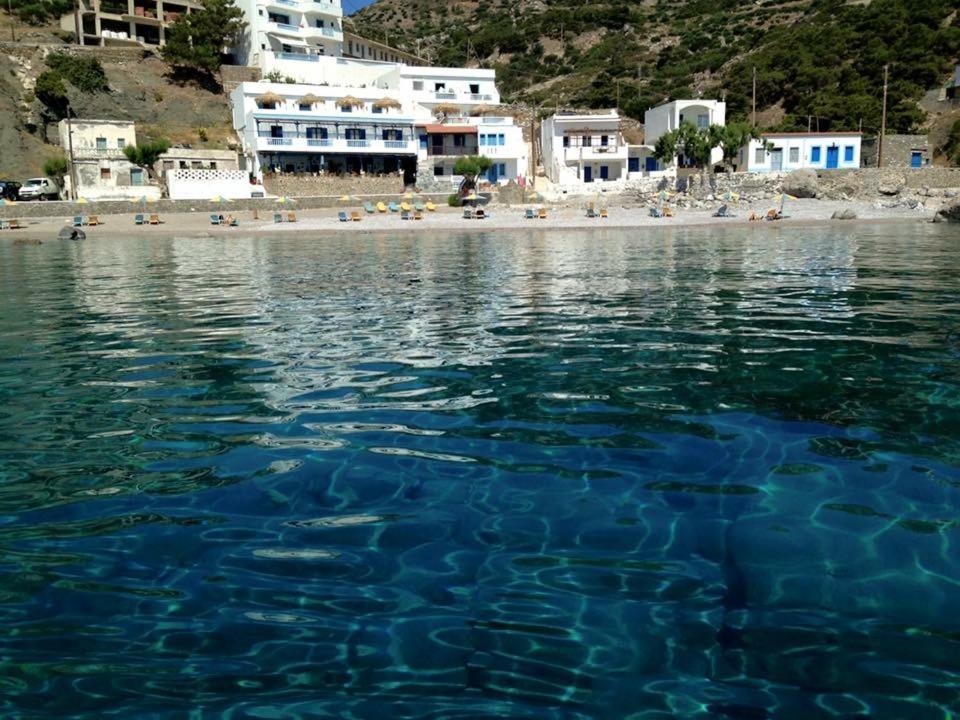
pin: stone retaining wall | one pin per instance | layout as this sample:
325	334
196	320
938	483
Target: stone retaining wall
67	210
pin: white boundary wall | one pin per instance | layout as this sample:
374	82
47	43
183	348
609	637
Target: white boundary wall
198	184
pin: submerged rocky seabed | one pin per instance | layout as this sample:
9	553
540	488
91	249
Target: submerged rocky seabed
700	473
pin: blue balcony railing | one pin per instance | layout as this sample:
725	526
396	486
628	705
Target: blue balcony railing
301	57
286	26
395	143
358	143
318	142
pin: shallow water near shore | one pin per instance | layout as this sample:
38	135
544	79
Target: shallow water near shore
700	473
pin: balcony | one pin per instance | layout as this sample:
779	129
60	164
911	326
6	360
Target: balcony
326	32
335	145
451	150
614	153
324	6
299	57
99	153
286	27
480	97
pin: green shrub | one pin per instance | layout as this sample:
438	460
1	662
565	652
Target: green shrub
85	72
453	200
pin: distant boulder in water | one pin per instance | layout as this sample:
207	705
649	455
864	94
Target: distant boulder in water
71	233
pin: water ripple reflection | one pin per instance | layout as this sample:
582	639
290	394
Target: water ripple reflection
697	474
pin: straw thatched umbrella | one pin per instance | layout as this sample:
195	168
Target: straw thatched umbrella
349	101
446	110
311	99
486	110
269	98
387	103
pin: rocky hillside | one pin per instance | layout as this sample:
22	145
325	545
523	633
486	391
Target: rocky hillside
818	61
139	88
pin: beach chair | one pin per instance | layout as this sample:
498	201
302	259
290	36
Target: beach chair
481	214
405	206
417	214
528	214
4	224
656	212
94	220
723	212
431	207
14	224
418	206
138	219
78	220
773	214
355	216
591	213
368	206
404	214
467	214
668	212
342	216
542	213
278	217
381	207
394	207
234	222
154	219
604	213
216	219
291	217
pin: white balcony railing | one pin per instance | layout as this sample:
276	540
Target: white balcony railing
335	145
300	57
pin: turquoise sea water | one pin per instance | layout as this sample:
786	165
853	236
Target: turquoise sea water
649	475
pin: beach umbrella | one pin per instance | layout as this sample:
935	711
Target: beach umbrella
81	201
534	196
782	198
730	196
472	197
349	101
387	103
143	200
284	200
410	195
219	199
347	199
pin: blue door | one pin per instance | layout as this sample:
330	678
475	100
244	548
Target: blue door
833	158
651	164
492	173
916	159
633	164
604	172
587	173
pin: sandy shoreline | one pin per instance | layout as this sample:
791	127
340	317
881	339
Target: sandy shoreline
322	222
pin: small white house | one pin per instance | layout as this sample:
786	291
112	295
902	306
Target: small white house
668	117
797	151
583	148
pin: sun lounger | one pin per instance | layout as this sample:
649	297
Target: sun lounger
604	213
216	219
138	219
14	224
234	222
431	207
723	212
78	220
342	216
394	207
355	216
481	214
419	206
591	213
467	214
404	214
381	207
154	219
528	214
4	224
94	220
278	217
406	206
668	212
417	214
656	212
368	206
542	213
291	217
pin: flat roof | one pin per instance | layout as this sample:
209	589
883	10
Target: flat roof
450	129
844	133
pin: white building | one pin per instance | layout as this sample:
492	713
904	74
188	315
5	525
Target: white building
580	149
796	151
441	144
296	31
94	149
666	118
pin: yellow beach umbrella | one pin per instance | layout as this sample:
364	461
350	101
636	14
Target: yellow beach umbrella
284	200
349	199
81	201
219	199
782	198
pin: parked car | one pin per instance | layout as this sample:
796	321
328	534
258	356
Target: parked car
40	189
9	189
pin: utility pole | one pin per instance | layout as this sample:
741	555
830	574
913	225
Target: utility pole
618	94
73	169
13	33
753	120
883	117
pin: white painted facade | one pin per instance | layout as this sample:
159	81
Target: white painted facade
668	117
95	150
498	138
798	151
590	150
297	31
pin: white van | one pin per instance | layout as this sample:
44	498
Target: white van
40	189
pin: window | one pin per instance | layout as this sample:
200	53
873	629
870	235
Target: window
320	23
121	143
566	141
418	84
393	134
795	155
213	164
815	154
306	107
101	143
196	164
346	108
276	131
703	121
475	88
482	139
501	139
439	87
104	173
351	47
587	140
136	177
438	170
604	140
377	110
458	140
760	156
502	169
355	134
315	133
848	153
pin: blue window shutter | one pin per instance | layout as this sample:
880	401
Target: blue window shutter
501	139
815	154
848	153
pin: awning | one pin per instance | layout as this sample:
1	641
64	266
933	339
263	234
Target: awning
287	36
291	41
450	129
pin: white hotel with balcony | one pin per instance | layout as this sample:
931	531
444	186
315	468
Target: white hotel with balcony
350	115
